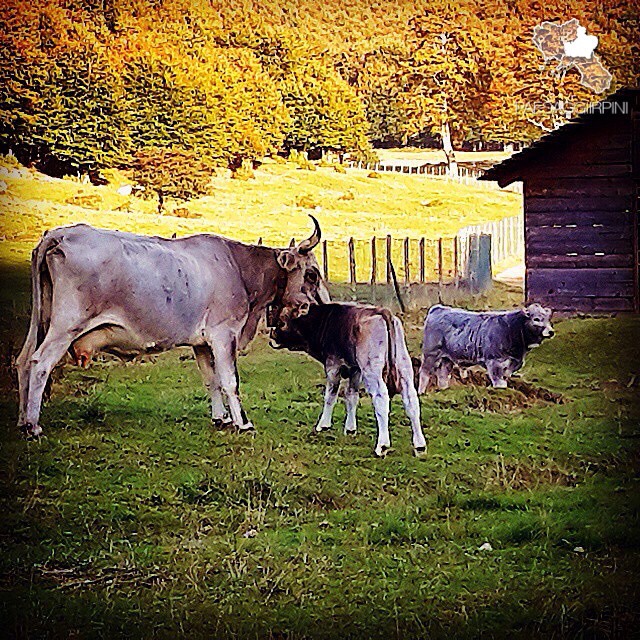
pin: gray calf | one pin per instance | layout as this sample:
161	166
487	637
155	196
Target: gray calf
364	345
497	340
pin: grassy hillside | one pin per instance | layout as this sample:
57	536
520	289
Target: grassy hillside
134	518
273	206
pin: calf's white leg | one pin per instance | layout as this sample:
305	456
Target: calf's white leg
443	373
408	390
332	370
375	385
426	371
496	371
351	398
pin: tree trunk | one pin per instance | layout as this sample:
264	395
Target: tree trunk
447	146
160	202
452	165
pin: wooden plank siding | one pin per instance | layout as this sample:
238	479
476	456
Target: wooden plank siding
581	188
580	220
635	163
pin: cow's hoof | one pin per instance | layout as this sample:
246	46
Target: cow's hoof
381	451
31	431
320	428
247	427
221	423
350	432
418	452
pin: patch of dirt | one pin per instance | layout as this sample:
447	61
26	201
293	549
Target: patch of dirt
495	401
523	394
83	577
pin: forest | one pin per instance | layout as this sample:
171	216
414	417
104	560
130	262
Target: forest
89	84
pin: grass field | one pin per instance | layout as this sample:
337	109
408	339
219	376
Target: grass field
275	206
134	518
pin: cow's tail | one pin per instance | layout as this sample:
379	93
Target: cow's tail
393	378
41	295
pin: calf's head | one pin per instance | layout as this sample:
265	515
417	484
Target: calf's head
538	323
304	283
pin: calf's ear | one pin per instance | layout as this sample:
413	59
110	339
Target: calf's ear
287	259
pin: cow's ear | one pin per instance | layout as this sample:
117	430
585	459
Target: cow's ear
287	259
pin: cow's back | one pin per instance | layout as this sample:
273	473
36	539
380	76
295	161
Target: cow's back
162	287
470	336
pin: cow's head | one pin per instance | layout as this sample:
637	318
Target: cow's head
304	284
538	324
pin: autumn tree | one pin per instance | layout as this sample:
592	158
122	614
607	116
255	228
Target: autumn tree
325	110
447	73
176	174
60	95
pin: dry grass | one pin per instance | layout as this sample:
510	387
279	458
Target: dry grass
274	205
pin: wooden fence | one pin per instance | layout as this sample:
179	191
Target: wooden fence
466	175
416	260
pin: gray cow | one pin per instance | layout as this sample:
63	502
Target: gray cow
124	293
364	345
497	340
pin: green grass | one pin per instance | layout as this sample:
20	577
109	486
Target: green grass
129	518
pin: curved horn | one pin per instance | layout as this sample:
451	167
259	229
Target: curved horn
307	245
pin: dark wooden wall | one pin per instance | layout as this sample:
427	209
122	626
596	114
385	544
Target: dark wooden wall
581	223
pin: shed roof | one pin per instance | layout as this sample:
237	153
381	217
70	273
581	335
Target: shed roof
515	168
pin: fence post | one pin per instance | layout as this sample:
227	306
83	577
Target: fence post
456	250
325	261
407	275
421	260
388	259
479	263
374	261
260	241
440	268
352	262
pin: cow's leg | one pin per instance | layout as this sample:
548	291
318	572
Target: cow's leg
426	371
41	363
204	359
23	366
332	369
407	389
351	398
412	409
496	371
376	387
223	345
443	373
511	367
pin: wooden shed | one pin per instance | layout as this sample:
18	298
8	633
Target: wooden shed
581	185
